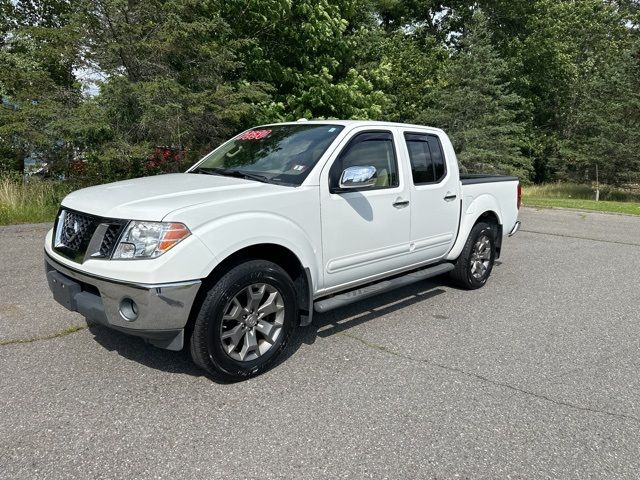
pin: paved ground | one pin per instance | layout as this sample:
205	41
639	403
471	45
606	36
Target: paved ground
534	376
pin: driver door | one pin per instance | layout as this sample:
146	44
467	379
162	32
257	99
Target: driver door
365	231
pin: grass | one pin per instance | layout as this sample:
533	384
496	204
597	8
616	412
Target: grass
602	206
30	202
38	200
569	195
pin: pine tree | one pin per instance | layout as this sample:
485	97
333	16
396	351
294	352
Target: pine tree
38	87
475	106
173	80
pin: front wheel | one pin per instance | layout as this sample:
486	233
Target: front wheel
245	321
474	265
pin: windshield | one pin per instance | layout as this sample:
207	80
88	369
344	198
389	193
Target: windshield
275	154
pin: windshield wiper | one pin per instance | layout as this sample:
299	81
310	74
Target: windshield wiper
208	171
247	175
233	173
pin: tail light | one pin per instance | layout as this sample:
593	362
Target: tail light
519	201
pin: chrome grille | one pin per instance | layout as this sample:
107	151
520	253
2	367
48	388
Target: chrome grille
74	232
111	236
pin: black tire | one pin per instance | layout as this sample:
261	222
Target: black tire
462	273
206	341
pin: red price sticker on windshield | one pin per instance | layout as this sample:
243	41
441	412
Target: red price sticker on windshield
254	135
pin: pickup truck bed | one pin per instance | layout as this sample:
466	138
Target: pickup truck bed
473	178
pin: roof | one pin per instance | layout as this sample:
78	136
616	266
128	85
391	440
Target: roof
358	123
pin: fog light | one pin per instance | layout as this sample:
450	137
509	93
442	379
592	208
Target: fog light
129	309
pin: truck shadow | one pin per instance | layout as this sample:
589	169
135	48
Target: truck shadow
323	326
337	321
137	350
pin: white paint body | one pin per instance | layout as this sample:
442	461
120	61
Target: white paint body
343	239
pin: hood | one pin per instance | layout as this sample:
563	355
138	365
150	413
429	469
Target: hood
153	198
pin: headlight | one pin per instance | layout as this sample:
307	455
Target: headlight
149	239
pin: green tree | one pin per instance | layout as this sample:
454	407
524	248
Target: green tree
406	66
558	53
515	82
476	107
40	46
304	50
603	128
575	70
173	78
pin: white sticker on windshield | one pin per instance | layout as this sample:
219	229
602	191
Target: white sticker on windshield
332	130
299	168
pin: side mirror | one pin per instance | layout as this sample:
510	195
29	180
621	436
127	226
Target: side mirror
358	177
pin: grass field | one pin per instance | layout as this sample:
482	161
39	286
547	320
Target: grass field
567	195
30	202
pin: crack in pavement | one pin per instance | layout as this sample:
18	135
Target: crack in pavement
581	238
63	333
484	379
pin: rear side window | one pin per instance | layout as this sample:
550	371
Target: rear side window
374	149
426	157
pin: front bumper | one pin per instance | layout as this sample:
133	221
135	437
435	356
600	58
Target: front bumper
161	312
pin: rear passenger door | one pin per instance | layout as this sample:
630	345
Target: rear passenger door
435	202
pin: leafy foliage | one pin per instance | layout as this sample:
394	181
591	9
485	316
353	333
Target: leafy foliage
542	89
475	107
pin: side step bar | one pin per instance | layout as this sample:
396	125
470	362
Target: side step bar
358	294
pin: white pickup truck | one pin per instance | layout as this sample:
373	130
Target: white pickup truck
280	221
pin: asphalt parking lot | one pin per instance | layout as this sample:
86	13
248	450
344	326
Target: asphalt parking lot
534	376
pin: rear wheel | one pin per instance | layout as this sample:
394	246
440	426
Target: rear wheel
474	265
245	321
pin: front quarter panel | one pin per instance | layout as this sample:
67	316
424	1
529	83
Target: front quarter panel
289	218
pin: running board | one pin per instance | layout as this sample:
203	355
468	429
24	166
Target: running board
352	296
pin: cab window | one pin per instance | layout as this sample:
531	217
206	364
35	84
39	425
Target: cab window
374	149
426	157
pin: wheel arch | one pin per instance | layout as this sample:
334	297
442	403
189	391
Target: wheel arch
273	252
483	208
492	217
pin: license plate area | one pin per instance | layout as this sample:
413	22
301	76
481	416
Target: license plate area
64	289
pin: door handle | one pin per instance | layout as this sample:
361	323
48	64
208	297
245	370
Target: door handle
399	203
450	196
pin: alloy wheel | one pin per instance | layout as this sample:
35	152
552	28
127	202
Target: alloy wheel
480	257
252	322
